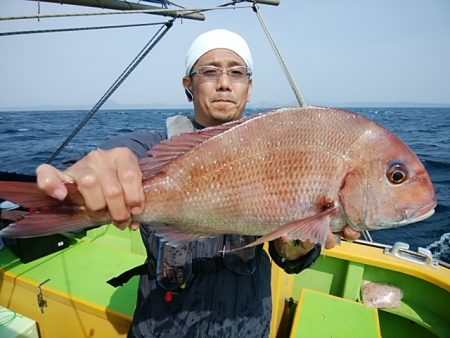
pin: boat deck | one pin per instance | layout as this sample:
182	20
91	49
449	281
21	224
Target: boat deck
77	295
79	302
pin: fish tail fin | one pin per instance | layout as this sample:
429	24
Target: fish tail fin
46	215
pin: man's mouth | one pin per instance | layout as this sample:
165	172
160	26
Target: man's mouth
224	100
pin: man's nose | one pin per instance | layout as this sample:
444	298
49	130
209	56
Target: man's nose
224	80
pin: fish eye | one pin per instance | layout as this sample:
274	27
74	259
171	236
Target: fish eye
397	174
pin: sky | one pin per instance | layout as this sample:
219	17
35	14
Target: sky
340	53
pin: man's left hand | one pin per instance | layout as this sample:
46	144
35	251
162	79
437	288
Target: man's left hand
294	249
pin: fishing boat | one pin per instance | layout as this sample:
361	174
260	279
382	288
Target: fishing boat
65	295
357	289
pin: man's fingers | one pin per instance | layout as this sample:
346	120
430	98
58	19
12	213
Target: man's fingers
97	181
347	232
350	234
114	196
331	241
107	179
135	225
114	181
89	186
123	191
307	244
101	190
130	178
51	181
122	225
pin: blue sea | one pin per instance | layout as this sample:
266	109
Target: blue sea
28	138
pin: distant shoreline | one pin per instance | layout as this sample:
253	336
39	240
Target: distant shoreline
250	106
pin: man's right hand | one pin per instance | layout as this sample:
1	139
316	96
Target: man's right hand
107	179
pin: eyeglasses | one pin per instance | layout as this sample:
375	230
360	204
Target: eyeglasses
213	73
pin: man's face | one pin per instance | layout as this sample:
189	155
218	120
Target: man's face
216	102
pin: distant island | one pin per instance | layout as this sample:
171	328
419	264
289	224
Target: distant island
255	105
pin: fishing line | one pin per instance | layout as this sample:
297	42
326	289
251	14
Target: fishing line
79	29
141	55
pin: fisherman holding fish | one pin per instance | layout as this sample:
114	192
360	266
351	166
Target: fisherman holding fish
197	292
199	288
208	198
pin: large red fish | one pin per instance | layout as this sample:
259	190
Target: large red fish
294	172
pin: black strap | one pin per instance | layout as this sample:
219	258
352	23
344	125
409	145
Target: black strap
297	265
148	267
203	266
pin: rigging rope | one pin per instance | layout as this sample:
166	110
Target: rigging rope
79	29
141	55
367	236
301	100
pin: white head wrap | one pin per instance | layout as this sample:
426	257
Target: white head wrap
214	39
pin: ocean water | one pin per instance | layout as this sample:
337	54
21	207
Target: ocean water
28	138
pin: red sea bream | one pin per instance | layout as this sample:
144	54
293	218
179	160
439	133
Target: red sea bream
293	172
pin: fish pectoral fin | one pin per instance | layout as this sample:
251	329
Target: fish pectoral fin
174	237
315	228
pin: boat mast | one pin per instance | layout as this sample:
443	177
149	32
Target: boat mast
130	6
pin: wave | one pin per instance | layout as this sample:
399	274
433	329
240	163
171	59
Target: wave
442	208
15	131
438	170
438	165
441	248
124	130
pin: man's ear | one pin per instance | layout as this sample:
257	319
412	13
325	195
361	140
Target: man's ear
187	84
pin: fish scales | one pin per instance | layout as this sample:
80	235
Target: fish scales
251	179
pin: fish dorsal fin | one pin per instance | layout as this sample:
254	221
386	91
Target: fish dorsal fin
167	151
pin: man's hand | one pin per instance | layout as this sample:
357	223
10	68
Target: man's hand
347	233
107	179
293	250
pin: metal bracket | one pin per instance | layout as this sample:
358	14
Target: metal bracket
422	256
42	303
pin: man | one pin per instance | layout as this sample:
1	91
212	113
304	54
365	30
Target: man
193	291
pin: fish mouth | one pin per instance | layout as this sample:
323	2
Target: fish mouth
408	216
418	218
417	215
